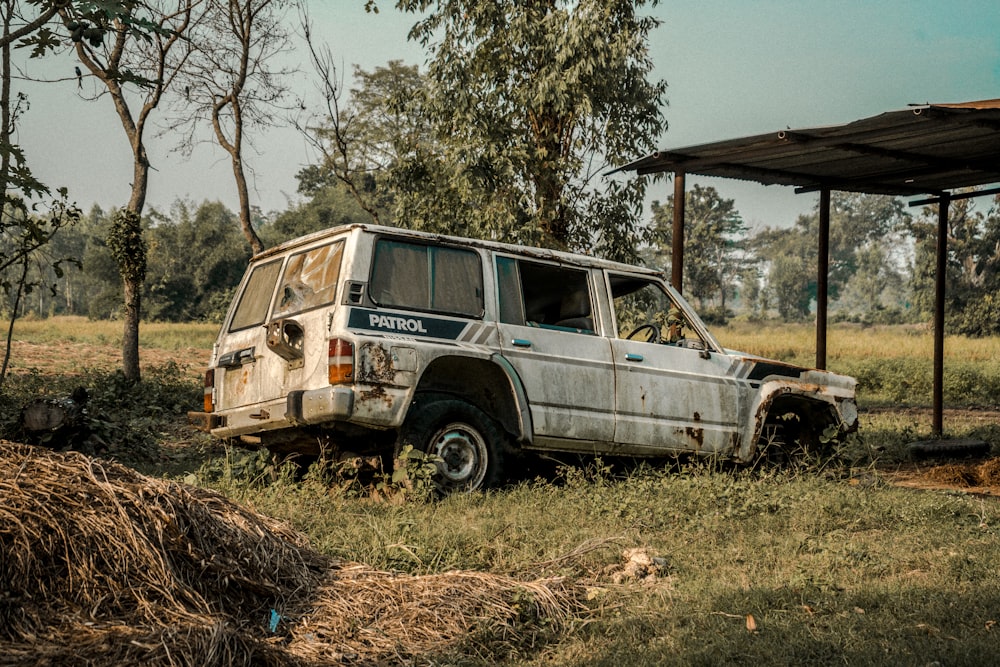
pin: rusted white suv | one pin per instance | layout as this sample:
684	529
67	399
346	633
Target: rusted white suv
365	338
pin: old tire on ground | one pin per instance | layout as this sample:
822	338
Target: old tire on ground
948	448
471	446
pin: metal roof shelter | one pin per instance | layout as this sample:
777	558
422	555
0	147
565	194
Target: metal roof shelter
927	149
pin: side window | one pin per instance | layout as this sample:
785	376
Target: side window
542	295
644	311
256	297
310	279
414	276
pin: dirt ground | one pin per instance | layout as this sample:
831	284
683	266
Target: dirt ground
69	357
976	475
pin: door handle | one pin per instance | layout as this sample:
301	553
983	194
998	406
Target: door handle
520	342
237	358
631	356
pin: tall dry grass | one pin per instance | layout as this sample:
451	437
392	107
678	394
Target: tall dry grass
79	329
797	342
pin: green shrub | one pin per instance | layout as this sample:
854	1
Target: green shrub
128	421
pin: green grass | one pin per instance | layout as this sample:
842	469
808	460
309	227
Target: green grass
833	569
833	565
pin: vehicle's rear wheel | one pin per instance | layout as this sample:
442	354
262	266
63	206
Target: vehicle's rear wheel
468	444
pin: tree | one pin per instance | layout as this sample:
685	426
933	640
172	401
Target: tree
119	55
197	256
231	83
857	223
24	232
876	292
531	102
361	143
973	266
328	206
100	279
713	244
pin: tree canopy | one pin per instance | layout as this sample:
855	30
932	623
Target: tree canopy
530	103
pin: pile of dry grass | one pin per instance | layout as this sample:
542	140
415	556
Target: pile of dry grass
369	616
101	565
986	473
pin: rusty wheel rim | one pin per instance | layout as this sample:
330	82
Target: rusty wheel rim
463	455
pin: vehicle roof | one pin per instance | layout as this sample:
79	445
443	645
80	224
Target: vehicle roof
526	251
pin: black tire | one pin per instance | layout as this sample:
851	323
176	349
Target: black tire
788	443
470	445
965	447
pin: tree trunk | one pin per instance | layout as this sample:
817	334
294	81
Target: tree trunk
130	331
245	223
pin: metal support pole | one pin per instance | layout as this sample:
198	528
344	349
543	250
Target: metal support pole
940	281
822	277
677	245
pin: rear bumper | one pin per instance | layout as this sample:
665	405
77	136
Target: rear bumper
367	406
299	408
335	403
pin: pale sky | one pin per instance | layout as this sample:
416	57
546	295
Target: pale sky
733	68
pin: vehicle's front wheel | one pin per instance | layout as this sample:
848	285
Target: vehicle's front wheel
467	444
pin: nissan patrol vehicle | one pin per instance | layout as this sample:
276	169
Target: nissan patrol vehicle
364	338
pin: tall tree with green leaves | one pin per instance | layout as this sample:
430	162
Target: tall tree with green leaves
362	141
857	223
531	102
973	266
25	231
197	256
136	55
714	240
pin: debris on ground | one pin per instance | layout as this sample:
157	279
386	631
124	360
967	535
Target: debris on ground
100	565
980	477
986	473
638	565
61	423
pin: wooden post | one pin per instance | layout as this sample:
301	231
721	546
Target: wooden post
822	277
940	281
677	245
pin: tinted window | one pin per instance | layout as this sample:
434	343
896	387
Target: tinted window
440	279
310	279
544	295
256	297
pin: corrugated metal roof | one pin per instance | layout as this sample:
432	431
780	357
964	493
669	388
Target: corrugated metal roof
925	149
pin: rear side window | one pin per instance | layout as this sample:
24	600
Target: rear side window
413	276
310	279
543	295
256	297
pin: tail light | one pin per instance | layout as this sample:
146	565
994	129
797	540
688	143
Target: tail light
210	390
341	361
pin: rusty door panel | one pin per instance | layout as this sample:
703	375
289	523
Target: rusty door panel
569	380
676	399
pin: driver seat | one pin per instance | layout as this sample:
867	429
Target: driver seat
574	312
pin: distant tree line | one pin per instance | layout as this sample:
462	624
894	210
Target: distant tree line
881	259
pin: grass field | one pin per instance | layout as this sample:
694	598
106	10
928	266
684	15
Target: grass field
816	565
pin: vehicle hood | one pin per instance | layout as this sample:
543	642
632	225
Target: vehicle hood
762	368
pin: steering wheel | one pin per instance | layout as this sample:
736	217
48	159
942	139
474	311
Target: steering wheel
653	336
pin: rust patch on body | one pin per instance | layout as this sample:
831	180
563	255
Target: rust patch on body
374	364
375	369
696	433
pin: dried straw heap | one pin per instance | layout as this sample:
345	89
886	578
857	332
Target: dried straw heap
101	565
